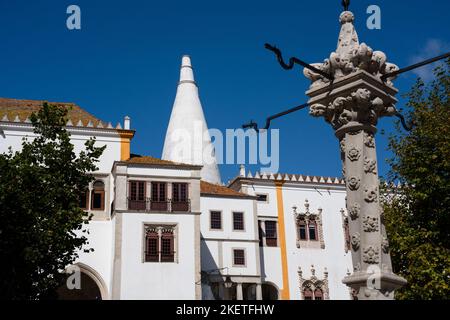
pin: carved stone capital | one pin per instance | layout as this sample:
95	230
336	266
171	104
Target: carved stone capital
350	56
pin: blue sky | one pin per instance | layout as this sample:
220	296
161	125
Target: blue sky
125	61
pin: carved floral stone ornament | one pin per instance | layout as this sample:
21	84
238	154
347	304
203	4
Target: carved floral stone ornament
353	153
306	218
370	224
370	193
353	183
369	140
370	165
342	145
371	255
359	106
356	241
354	211
350	56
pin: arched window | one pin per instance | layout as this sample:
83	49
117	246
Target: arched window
307	294
312	230
152	246
318	294
302	230
98	196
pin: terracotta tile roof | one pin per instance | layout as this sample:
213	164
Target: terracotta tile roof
214	189
24	108
156	161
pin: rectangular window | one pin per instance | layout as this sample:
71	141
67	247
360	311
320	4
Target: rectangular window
302	231
159	196
136	200
179	192
152	249
239	257
238	221
261	197
159	191
180	202
167	247
271	233
216	220
312	231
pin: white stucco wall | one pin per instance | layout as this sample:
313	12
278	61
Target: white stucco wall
333	257
13	134
218	245
100	238
329	197
154	280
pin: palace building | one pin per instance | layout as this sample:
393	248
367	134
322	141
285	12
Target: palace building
168	228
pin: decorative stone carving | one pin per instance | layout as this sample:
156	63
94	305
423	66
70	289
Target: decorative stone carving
370	165
359	106
353	183
345	228
314	282
356	241
354	211
369	140
371	255
350	56
370	224
342	145
307	216
370	193
353	153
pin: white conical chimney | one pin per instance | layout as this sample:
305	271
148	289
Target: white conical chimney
187	137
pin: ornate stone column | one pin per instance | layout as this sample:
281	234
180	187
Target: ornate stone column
352	103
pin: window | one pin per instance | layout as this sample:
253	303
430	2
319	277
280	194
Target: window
179	192
137	199
152	250
261	197
312	228
308	294
159	196
167	246
318	294
159	244
238	221
239	257
84	200
271	233
180	200
98	196
302	230
216	220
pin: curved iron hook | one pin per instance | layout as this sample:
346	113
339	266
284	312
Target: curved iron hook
295	60
254	125
403	121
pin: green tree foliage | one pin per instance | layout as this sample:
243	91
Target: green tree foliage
417	218
41	224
